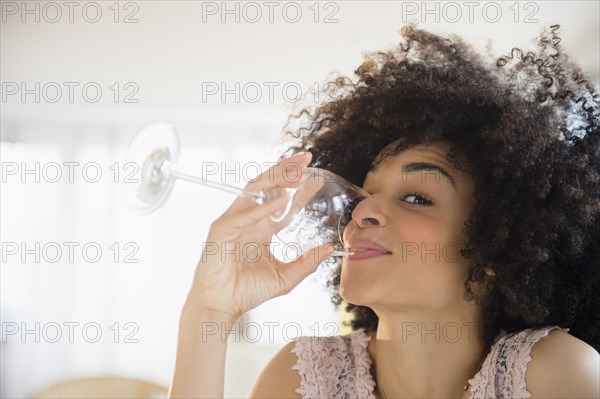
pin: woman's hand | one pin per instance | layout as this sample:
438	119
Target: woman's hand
237	270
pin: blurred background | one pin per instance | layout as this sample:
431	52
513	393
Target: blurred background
90	289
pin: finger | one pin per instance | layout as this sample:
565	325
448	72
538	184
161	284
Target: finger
287	173
229	224
293	273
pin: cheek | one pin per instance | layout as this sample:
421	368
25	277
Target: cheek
429	251
412	231
425	238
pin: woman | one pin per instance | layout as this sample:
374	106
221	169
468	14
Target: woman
478	260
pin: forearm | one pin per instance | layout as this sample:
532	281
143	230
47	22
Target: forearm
200	362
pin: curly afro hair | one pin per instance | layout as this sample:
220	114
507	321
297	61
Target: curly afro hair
528	126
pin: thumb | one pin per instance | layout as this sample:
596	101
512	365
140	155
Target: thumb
299	269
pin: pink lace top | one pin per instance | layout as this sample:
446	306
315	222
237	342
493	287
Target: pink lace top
339	367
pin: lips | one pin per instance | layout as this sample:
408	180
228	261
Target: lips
364	249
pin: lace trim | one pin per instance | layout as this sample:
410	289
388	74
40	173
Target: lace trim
334	367
340	367
503	371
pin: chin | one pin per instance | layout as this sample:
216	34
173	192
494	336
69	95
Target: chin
361	281
355	290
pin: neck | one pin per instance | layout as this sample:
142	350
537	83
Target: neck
426	355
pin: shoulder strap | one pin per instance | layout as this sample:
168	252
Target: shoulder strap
334	367
517	354
503	371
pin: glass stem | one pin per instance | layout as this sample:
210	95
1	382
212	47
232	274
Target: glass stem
257	196
342	253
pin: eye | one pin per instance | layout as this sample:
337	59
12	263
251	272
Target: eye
418	199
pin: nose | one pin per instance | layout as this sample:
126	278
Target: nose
368	213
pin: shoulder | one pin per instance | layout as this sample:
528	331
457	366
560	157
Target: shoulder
278	379
563	366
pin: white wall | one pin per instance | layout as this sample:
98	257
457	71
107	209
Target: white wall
168	57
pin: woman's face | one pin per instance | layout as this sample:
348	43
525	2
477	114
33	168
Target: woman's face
410	229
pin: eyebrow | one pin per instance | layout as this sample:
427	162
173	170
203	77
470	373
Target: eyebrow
413	167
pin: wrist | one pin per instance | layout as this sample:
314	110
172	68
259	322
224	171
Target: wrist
199	313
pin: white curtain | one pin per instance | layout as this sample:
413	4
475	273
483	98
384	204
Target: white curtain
116	312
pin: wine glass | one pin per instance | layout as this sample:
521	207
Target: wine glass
316	212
